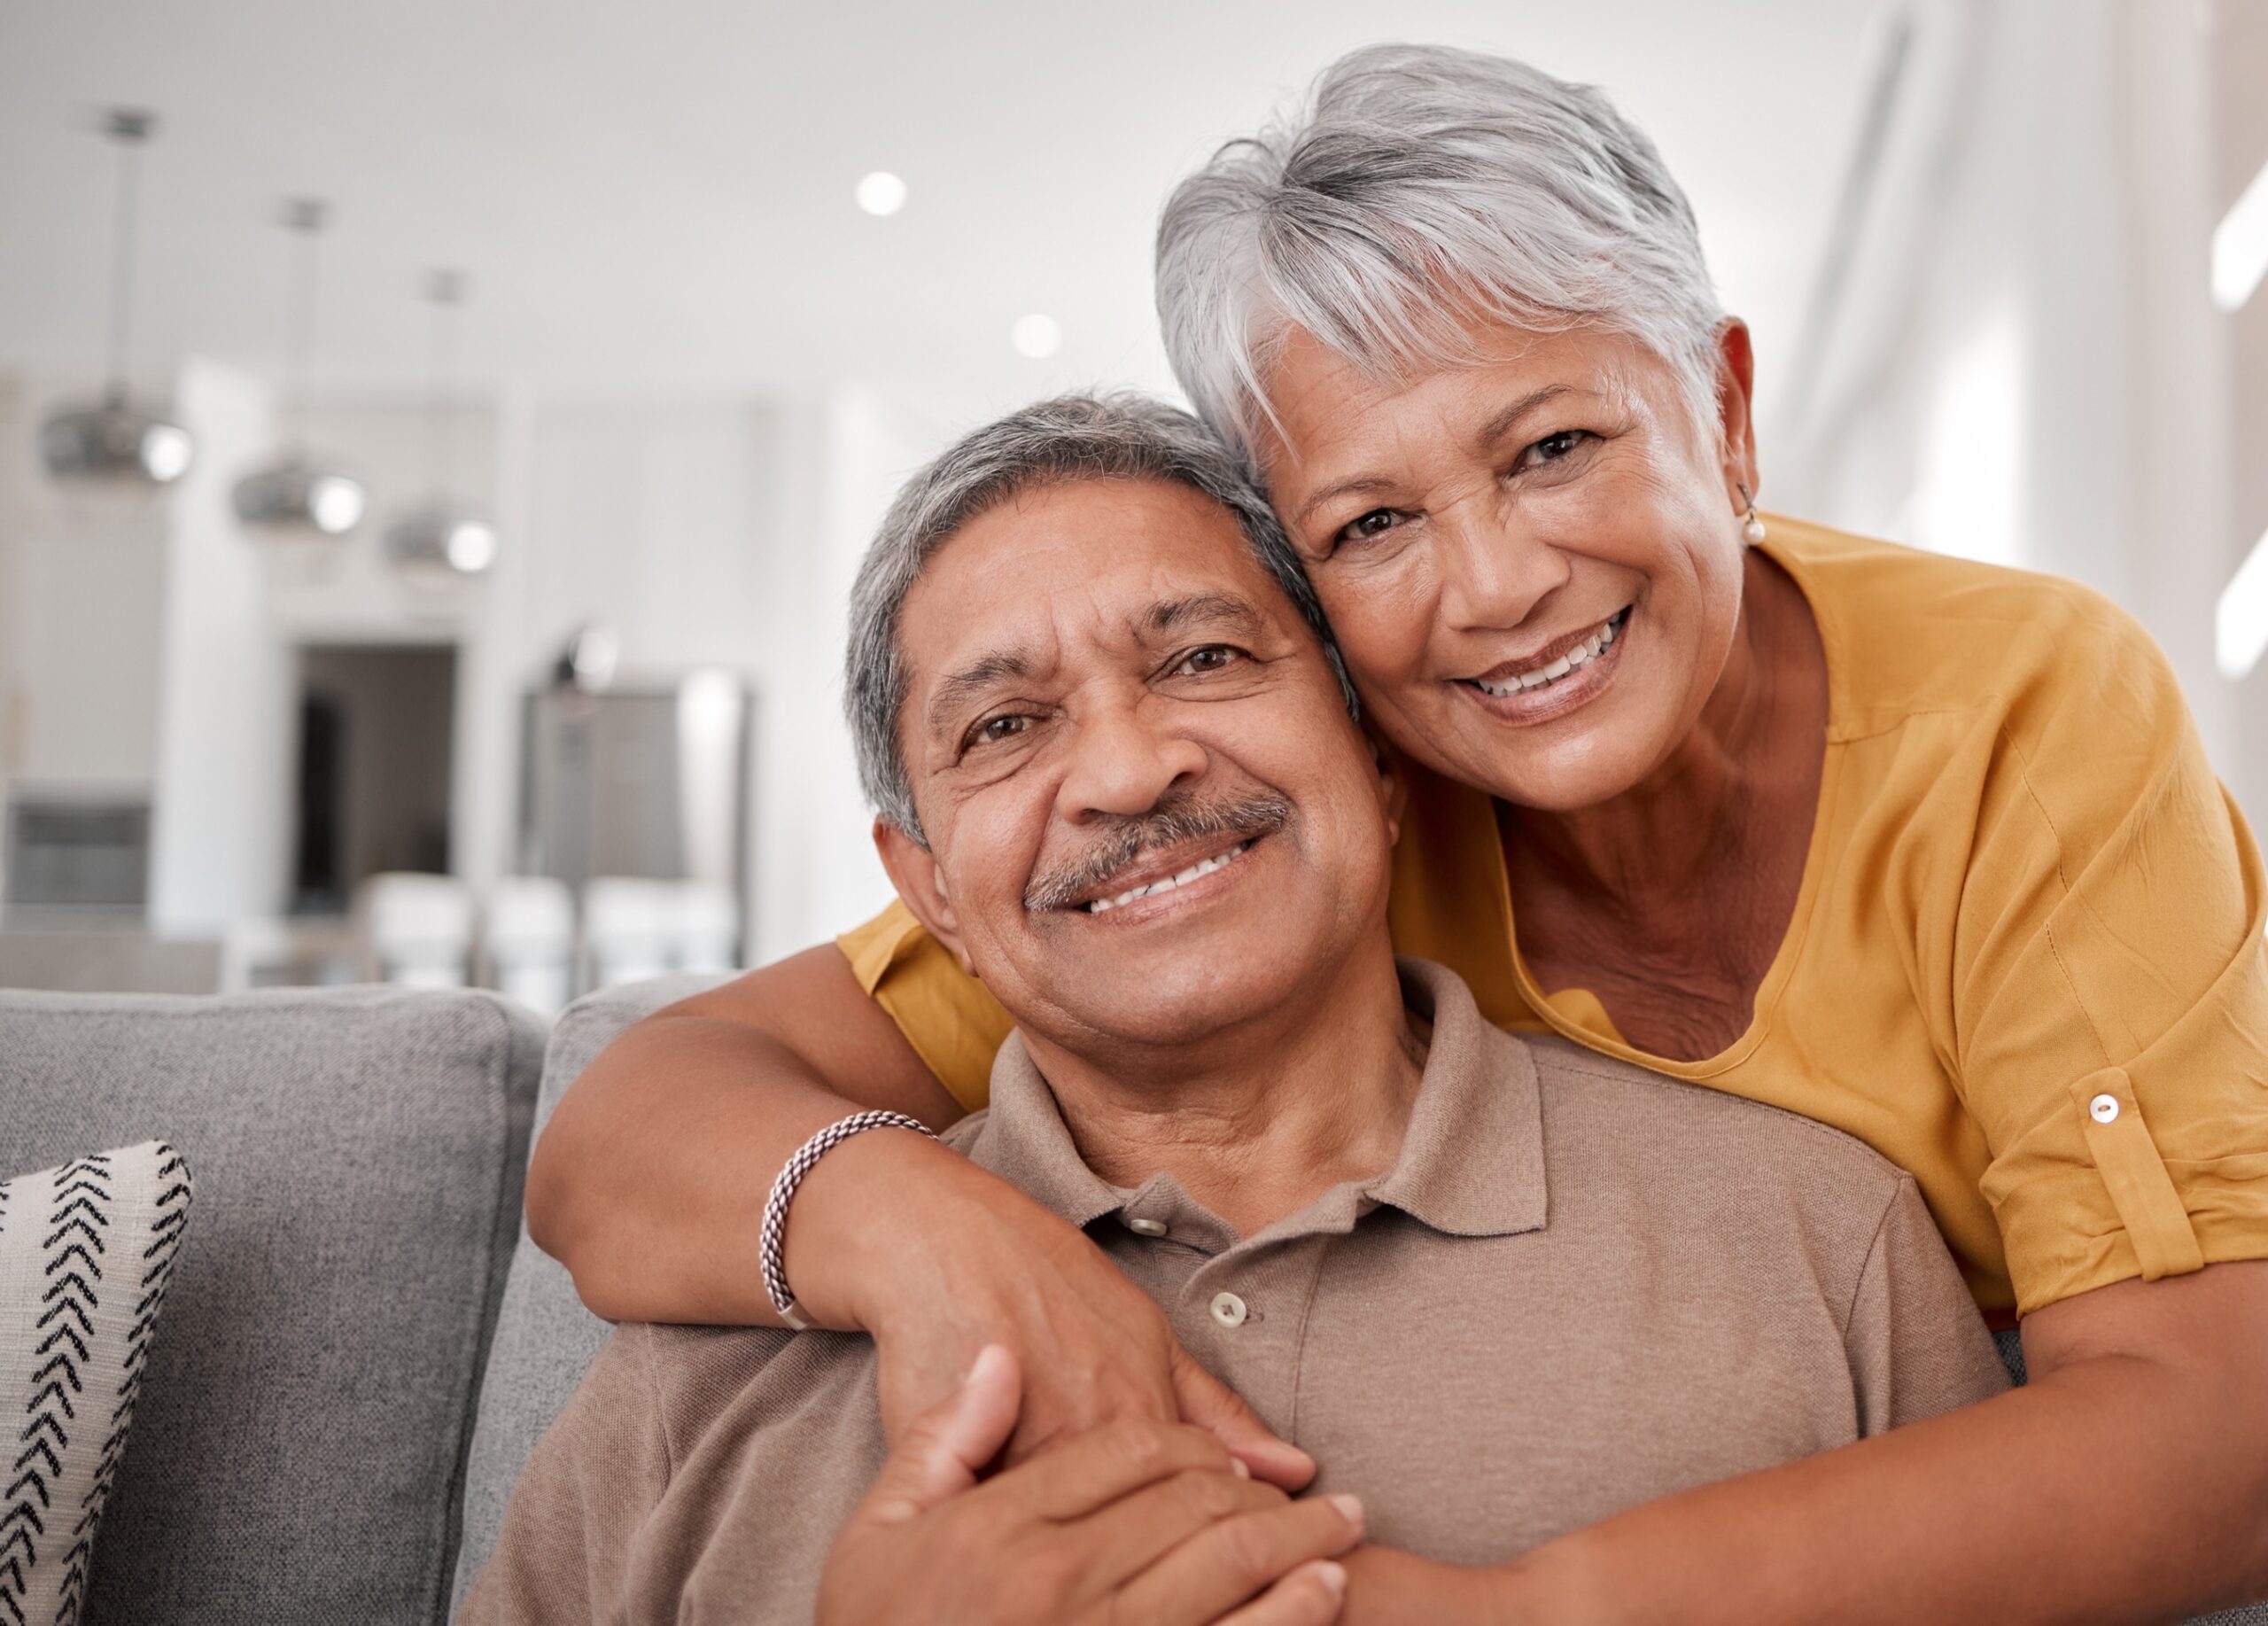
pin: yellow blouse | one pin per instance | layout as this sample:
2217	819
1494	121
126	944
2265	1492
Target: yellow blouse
2026	961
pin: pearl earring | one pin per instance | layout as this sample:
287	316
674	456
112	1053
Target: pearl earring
1752	532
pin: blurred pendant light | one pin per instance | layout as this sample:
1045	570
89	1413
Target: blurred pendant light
118	441
438	539
296	496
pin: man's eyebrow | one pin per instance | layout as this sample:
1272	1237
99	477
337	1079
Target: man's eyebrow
1490	433
1169	615
955	692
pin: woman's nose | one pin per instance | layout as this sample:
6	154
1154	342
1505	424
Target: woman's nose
1123	761
1492	574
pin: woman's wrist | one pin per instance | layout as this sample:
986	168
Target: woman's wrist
876	1224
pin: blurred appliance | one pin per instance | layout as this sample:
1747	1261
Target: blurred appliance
640	782
73	853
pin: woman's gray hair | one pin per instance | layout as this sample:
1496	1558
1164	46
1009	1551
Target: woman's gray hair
1104	437
1421	186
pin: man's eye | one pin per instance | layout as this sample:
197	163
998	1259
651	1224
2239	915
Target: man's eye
1212	657
1375	523
993	730
1551	448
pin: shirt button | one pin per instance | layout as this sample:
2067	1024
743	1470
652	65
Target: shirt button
2104	1109
1147	1227
1228	1310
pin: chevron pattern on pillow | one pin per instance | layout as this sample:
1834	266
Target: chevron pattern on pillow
86	1250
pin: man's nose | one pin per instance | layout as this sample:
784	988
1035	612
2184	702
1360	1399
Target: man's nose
1123	759
1493	573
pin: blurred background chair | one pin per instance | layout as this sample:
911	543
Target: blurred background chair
636	929
528	942
417	930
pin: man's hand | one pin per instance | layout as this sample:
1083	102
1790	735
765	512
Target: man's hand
990	1265
1135	1521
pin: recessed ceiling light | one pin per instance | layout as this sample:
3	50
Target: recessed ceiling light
880	193
1036	335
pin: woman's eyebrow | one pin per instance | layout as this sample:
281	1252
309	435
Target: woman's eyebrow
1493	431
1489	433
1338	489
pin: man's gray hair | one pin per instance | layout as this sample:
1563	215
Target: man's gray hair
1107	437
1421	186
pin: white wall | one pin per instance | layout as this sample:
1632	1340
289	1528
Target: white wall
80	604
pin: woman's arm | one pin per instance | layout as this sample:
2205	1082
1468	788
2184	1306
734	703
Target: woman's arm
651	1179
2128	1482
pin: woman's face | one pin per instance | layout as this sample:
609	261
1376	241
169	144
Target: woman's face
1532	561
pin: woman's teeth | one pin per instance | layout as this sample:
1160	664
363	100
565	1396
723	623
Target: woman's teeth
1589	651
1191	874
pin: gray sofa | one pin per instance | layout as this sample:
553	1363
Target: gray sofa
305	1446
360	1345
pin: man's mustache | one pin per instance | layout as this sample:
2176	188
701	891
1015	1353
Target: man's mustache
1177	820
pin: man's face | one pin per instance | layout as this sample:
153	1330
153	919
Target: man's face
1110	693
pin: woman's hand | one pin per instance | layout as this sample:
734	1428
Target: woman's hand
1136	1521
962	1259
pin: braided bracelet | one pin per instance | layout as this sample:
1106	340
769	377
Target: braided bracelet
772	1244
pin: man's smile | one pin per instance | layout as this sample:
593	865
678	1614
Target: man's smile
1159	876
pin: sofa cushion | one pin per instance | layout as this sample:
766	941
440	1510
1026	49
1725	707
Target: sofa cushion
86	1251
301	1434
544	1336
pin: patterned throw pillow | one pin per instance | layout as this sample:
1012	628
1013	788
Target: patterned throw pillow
86	1250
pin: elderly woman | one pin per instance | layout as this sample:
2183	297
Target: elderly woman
1922	850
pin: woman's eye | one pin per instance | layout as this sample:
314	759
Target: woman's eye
1551	448
1376	523
1212	657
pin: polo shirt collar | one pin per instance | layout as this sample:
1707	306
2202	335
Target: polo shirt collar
1471	1164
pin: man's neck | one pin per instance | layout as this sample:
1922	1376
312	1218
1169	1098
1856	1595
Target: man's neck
1257	1121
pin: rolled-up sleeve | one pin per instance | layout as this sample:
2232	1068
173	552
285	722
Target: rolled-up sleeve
2110	992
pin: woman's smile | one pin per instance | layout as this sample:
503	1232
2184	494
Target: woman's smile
1556	682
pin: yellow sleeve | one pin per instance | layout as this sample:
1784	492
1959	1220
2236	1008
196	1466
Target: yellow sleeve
949	1018
2110	995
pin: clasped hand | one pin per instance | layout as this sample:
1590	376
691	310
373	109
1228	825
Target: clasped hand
1134	1521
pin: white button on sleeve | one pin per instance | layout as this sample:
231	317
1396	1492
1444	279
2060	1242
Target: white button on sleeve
1228	1310
1147	1227
2104	1109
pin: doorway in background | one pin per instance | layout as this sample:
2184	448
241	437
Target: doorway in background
376	726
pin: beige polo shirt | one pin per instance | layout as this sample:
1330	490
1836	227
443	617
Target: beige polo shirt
1579	1287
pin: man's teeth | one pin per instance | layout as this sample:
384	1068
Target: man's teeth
1589	651
1205	868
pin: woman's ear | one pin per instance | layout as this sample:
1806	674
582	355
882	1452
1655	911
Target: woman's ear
921	886
1736	417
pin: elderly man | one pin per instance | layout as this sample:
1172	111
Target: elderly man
1495	1287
